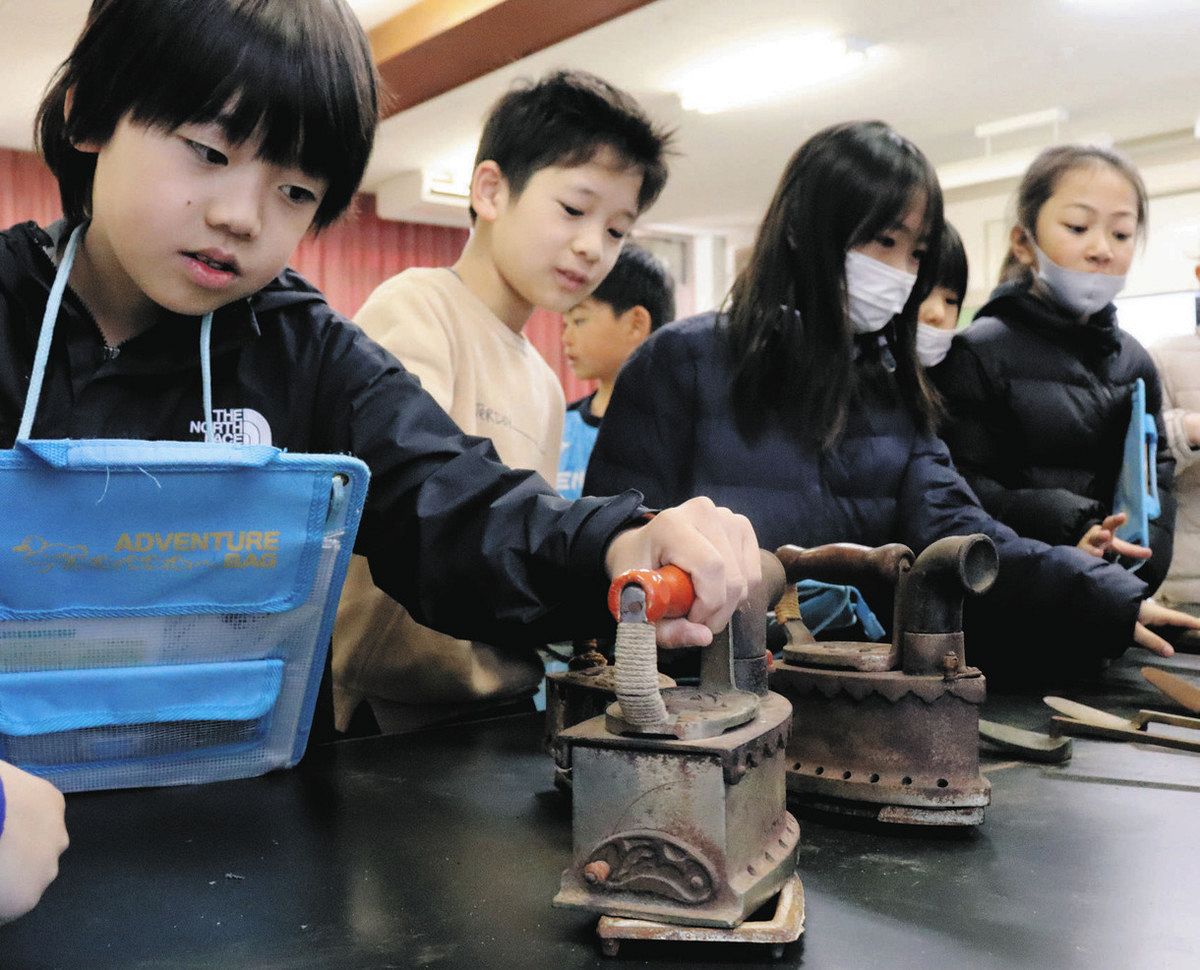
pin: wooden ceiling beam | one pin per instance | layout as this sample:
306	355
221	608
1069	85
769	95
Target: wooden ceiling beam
436	45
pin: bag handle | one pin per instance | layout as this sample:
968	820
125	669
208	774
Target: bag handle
168	455
46	337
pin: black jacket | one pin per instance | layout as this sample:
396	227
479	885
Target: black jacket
669	431
468	545
1038	405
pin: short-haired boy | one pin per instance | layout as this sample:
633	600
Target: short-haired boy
563	170
195	143
599	333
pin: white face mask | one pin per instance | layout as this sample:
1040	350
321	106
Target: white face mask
1084	293
875	291
933	344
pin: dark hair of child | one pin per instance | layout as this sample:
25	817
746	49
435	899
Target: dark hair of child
791	340
952	262
1041	179
270	69
639	278
564	120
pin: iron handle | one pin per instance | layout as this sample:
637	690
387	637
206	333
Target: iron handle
668	592
845	562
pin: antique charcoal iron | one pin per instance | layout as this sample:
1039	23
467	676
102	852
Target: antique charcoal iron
679	795
889	730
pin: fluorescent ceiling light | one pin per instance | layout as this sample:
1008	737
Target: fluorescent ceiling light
765	70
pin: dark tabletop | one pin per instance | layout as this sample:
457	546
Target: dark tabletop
444	849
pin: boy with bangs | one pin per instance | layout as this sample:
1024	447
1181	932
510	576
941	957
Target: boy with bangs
563	169
598	335
188	181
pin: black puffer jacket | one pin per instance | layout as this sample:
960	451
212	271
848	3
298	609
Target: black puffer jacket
1038	405
669	432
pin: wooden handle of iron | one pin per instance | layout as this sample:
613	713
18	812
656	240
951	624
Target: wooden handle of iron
845	562
668	590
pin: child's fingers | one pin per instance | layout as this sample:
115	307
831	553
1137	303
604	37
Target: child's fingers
719	592
1152	613
1144	637
711	548
1132	550
682	632
1095	541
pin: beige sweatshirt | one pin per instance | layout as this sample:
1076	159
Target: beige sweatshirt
495	384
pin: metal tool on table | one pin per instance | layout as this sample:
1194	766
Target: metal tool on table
1182	692
889	730
1028	745
680	816
1084	721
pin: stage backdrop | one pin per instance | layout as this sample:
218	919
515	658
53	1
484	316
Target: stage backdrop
346	261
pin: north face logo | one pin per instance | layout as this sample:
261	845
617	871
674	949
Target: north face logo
236	426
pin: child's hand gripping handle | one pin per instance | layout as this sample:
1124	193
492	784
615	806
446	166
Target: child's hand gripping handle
638	598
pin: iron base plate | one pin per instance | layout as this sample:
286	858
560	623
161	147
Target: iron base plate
893	814
785	926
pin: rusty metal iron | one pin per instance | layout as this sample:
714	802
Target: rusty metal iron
891	730
690	829
664	812
736	752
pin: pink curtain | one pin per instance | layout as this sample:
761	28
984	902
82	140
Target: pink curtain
346	261
27	190
359	251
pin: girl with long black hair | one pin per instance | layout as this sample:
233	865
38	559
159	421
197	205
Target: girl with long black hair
804	406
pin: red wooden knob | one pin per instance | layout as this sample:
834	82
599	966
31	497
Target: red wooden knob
668	590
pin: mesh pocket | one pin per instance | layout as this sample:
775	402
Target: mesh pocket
72	720
120	702
111	744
